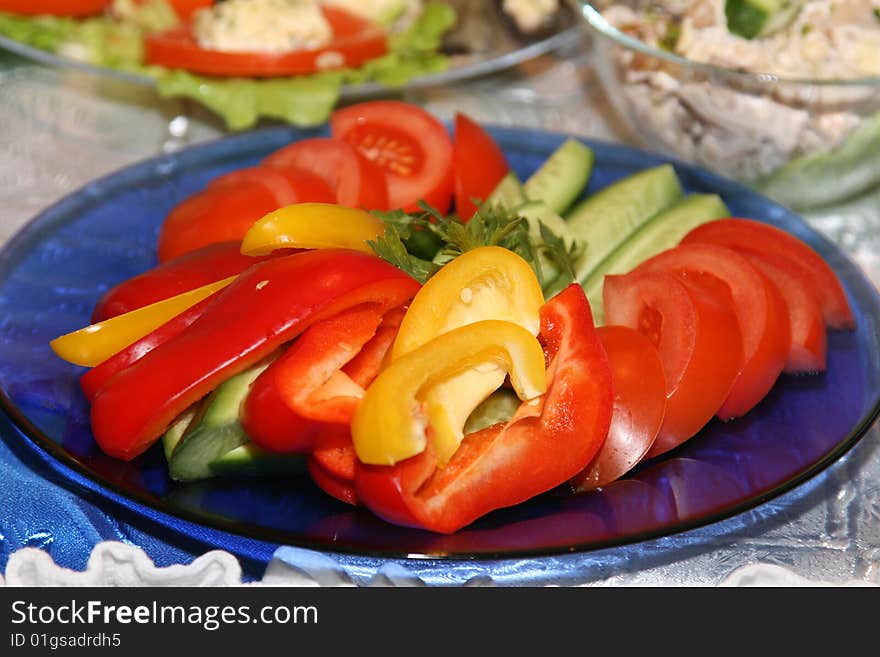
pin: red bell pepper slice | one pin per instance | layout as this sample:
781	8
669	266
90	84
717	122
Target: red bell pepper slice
338	487
187	272
365	367
334	451
290	402
542	446
96	378
266	306
309	375
270	424
332	463
175	277
322	376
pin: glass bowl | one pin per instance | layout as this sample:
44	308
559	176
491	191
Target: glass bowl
806	142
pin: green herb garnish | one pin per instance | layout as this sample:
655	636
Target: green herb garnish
490	226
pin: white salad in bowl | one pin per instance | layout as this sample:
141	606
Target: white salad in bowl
784	95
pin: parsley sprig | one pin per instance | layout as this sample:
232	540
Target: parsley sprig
402	245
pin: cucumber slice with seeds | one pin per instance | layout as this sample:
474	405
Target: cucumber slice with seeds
611	215
249	460
563	176
215	430
171	437
508	193
662	232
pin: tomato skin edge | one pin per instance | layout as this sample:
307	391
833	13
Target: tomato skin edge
429	144
356	41
479	165
356	181
809	336
759	308
71	8
639	407
701	359
755	237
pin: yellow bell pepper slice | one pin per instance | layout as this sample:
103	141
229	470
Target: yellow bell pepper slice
96	343
452	401
392	421
312	226
484	283
488	282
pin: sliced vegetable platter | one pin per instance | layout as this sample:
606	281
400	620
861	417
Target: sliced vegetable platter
54	271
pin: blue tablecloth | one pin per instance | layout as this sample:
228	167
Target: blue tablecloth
67	519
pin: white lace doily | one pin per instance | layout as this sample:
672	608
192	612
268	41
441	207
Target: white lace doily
123	565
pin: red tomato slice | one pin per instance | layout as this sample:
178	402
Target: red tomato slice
808	333
357	182
695	330
355	41
760	311
75	8
288	185
639	406
215	215
411	146
186	8
751	236
478	165
224	211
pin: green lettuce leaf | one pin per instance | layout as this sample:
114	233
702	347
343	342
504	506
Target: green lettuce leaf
43	32
107	43
427	31
101	41
241	102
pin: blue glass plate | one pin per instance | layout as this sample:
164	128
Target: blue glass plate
53	272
